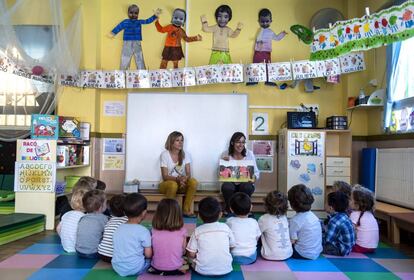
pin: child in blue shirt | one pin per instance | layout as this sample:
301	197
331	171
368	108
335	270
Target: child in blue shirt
340	236
132	241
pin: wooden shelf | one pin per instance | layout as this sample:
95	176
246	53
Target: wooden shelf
72	166
73	141
365	107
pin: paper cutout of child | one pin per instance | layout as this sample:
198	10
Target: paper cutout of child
263	45
133	37
221	32
172	48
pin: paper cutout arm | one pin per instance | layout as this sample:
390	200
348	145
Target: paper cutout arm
204	25
235	33
148	20
191	38
160	28
279	36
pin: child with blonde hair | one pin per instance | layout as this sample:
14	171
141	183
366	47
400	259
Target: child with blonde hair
169	239
68	226
274	225
366	226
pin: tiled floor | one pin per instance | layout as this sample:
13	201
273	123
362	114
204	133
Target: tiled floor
45	259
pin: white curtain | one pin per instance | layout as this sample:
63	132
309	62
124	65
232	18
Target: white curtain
33	35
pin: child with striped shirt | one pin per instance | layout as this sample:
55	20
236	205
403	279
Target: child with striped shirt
116	206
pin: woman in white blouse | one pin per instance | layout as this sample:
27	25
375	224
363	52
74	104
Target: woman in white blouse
237	151
176	172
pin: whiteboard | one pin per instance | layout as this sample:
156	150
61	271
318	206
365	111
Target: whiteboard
207	122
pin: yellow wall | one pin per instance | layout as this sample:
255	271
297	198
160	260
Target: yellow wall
101	52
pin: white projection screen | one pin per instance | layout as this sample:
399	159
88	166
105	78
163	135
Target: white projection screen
206	120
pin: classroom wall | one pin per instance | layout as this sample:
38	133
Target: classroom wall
101	52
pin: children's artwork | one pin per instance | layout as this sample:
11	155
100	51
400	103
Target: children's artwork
304	69
264	38
295	163
137	79
22	71
280	71
236	171
328	68
44	127
175	33
221	33
306	144
69	127
370	31
6	64
36	150
262	148
189	77
114	79
92	79
161	78
114	146
352	62
113	162
210	74
69	80
265	164
256	72
231	73
132	37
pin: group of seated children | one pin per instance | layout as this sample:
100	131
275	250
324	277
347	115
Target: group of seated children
214	246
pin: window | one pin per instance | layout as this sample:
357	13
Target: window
399	110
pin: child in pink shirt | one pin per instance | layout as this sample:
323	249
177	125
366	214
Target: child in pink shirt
169	240
366	226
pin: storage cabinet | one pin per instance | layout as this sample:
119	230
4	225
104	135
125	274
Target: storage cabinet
316	158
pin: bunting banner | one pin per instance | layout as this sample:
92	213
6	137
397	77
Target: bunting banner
193	76
371	31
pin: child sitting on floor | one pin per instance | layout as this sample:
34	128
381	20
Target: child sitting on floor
132	241
68	226
305	228
169	239
116	208
246	230
91	226
210	243
274	225
366	226
340	235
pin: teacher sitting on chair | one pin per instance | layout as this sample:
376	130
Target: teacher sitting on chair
176	172
237	151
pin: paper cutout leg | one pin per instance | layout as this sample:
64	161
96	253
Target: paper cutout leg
126	55
220	57
139	57
129	49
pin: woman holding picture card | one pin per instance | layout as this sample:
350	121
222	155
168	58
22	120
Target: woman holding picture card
237	152
176	172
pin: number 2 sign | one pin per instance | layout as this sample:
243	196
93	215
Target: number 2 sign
260	124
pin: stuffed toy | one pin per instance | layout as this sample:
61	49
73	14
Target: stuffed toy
263	45
221	32
172	48
133	37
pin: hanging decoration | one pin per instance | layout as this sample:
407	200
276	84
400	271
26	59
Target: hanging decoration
371	31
